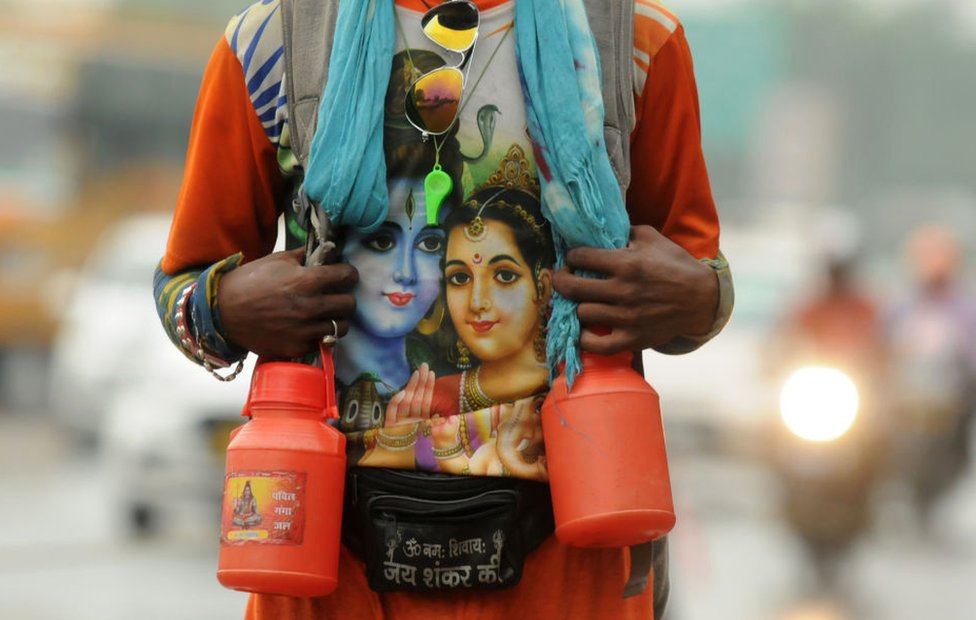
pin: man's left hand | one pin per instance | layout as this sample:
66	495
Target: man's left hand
654	292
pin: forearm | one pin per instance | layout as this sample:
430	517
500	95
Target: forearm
228	206
670	192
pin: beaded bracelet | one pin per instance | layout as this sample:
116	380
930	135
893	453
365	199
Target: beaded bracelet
397	443
448	453
192	346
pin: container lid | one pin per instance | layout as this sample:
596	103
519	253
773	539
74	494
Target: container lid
288	382
296	385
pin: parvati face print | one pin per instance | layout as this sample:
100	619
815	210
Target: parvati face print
491	293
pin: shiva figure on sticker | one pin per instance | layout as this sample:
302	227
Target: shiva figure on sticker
398	264
246	513
483	418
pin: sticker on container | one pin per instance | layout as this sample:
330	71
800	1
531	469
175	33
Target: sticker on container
264	507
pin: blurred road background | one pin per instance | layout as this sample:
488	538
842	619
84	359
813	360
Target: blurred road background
833	129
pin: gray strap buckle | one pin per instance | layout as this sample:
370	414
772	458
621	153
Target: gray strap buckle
320	239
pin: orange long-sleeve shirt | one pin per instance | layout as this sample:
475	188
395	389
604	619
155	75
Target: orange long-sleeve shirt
240	168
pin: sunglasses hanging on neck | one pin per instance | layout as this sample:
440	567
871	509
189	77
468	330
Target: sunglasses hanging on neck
432	102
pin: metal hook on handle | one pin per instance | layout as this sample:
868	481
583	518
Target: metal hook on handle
329	340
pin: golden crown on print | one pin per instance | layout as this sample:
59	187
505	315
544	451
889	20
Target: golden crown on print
514	172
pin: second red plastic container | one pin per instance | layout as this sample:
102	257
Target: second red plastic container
606	454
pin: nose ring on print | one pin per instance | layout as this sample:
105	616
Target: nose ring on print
330	339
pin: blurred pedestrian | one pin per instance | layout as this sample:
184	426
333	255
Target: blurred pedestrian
933	354
508	105
838	321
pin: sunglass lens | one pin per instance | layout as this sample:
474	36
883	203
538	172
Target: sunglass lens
452	25
432	102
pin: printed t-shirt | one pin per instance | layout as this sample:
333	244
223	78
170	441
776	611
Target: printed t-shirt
426	289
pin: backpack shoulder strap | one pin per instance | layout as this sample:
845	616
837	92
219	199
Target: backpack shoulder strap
307	30
612	22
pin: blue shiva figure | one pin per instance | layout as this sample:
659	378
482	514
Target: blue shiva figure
399	281
400	276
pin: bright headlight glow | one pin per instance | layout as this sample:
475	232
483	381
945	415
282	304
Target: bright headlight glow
818	403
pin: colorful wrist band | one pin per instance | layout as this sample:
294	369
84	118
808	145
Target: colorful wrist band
191	345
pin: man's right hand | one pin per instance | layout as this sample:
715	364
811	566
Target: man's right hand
280	309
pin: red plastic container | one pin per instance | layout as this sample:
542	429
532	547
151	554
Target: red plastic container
608	464
285	472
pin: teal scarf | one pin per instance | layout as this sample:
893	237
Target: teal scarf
561	81
346	173
558	64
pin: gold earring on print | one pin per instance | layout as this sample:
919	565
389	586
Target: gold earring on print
432	321
464	356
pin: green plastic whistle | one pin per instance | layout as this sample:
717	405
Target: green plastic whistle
437	186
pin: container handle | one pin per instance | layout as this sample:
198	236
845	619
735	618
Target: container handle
331	410
246	411
328	370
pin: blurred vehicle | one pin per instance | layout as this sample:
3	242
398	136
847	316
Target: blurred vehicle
829	448
118	383
163	438
95	98
827	453
160	423
727	398
105	321
27	256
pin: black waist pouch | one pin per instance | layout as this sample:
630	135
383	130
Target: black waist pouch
419	531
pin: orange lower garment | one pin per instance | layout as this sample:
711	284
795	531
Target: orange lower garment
558	583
